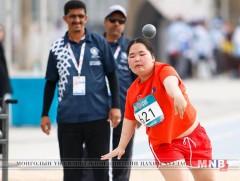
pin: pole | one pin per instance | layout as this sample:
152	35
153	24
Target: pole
8	33
225	9
44	39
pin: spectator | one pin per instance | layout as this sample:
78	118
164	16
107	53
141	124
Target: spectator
217	35
5	86
203	49
179	46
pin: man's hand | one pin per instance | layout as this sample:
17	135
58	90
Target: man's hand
114	116
116	152
46	125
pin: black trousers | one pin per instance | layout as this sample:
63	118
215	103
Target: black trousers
120	168
95	135
1	101
0	138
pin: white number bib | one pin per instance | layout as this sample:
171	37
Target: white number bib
79	85
148	112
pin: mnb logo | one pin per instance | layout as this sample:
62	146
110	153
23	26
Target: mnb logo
222	164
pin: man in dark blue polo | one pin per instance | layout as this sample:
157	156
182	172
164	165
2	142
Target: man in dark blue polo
114	22
79	63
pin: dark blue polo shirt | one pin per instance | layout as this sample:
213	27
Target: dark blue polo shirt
97	62
124	74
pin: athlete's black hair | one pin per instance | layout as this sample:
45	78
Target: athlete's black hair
142	40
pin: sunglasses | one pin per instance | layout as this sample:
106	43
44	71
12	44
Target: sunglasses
114	20
73	16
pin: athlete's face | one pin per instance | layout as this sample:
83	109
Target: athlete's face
115	25
76	20
141	61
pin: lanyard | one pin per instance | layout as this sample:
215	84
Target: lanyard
78	67
116	53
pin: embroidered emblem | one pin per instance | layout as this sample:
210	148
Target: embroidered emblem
94	51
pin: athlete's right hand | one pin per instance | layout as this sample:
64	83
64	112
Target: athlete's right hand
116	152
46	125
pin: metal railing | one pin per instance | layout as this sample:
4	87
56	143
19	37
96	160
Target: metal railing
4	139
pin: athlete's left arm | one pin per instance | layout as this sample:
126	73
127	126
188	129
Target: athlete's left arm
171	85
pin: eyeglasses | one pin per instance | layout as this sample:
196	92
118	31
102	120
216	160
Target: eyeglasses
73	16
114	20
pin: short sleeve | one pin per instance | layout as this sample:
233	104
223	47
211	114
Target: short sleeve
52	73
166	71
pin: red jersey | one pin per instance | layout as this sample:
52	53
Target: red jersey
172	126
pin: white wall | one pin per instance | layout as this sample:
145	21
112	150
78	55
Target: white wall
188	9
